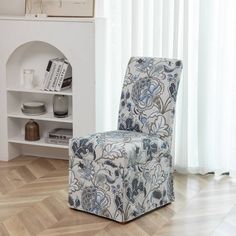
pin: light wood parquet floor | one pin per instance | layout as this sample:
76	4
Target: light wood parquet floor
33	201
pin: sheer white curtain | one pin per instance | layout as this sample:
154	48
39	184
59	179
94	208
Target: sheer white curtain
203	34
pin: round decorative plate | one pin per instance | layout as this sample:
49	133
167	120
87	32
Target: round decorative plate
32	113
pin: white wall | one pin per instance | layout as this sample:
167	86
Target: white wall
12	7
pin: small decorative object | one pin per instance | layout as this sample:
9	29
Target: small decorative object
33	108
64	8
34	8
28	78
60	106
59	136
32	131
28	7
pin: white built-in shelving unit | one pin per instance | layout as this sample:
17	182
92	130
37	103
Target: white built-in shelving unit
29	44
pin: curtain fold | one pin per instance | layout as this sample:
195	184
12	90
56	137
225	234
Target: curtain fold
202	33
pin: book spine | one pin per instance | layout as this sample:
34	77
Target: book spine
56	141
67	83
52	75
69	72
64	137
62	76
57	74
47	74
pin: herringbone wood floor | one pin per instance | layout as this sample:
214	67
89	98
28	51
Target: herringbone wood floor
33	201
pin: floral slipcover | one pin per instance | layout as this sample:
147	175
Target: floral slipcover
125	173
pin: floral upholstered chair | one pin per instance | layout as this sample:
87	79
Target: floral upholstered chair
125	173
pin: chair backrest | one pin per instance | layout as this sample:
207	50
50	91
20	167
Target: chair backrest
149	95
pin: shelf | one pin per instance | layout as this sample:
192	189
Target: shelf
44	117
67	92
41	142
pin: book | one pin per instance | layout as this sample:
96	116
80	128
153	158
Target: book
62	76
46	76
56	75
65	78
59	136
60	133
57	141
67	83
51	75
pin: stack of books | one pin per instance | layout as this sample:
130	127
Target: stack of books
58	75
59	136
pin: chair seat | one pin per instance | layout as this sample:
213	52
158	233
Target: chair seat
122	148
119	174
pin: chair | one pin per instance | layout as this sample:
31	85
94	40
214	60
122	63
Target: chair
123	174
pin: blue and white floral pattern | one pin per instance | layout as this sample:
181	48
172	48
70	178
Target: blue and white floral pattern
125	173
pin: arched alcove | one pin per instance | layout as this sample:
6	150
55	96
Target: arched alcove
31	55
